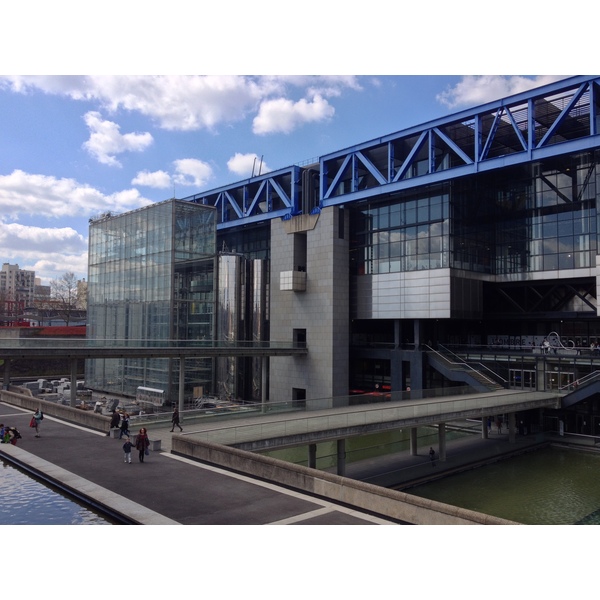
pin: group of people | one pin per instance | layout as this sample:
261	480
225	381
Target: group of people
121	422
9	435
142	442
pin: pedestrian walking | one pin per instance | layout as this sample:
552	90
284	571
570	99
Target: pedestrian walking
142	443
127	446
38	417
175	420
114	421
124	426
432	456
499	425
489	425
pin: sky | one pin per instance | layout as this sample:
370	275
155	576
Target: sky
72	147
117	109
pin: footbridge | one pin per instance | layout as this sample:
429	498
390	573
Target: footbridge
75	350
270	431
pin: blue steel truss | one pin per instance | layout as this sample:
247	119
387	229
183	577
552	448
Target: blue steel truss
557	119
274	194
553	120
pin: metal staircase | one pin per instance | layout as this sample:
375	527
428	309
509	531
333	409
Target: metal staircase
480	377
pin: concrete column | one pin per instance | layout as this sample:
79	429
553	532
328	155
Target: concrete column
73	382
511	428
413	441
312	456
442	441
181	383
417	333
263	382
484	428
341	457
6	380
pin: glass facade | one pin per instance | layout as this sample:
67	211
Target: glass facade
150	280
539	217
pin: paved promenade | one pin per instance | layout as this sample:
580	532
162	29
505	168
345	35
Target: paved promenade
165	489
169	489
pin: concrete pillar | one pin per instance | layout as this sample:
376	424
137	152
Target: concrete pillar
442	441
413	441
484	428
417	333
181	384
511	428
263	382
73	382
341	457
6	380
312	456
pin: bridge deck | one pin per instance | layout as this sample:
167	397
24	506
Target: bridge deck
268	430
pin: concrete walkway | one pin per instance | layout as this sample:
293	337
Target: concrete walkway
165	489
170	489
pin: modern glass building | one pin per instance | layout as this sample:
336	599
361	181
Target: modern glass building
472	235
151	280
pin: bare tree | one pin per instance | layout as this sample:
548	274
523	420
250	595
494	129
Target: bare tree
64	293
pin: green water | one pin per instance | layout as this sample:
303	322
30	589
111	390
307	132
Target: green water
363	447
552	486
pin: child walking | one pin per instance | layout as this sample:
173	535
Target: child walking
127	446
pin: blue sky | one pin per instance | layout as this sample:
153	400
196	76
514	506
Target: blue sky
73	146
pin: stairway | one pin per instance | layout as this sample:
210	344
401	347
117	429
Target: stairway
457	370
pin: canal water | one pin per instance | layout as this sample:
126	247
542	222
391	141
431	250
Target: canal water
27	501
551	486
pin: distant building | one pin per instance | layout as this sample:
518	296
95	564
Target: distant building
17	284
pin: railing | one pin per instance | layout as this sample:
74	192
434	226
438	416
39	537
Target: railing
581	382
495	377
369	416
145	343
224	411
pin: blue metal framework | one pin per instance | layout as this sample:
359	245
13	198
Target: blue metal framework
557	119
553	120
274	194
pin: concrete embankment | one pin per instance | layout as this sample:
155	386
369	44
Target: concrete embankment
392	504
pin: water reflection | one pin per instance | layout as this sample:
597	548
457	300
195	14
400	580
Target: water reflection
552	486
26	501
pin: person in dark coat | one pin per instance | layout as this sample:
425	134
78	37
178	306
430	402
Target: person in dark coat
124	426
142	443
175	420
114	421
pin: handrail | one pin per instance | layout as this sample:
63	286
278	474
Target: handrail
583	381
464	362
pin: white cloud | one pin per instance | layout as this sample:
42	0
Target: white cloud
47	196
154	179
245	165
475	89
191	171
106	140
63	249
283	115
180	102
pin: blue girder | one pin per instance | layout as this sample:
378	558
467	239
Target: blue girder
556	119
